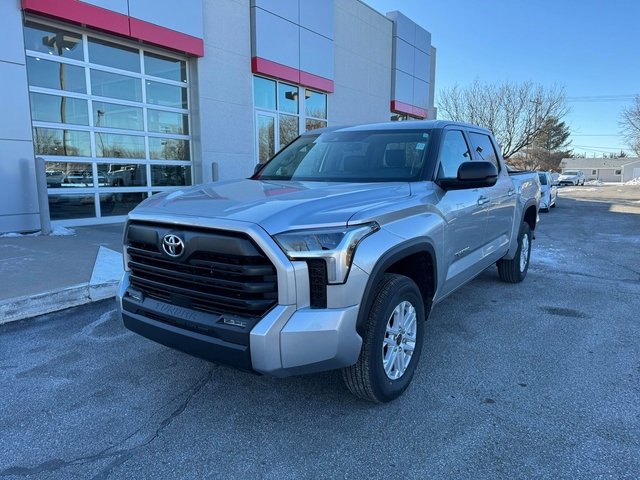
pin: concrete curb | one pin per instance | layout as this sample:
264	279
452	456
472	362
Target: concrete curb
106	274
55	300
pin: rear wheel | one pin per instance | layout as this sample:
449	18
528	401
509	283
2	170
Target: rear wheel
515	270
391	343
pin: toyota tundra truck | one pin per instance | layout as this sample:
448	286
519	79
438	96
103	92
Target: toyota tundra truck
332	255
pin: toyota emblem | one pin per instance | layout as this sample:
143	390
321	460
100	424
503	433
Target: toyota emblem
172	245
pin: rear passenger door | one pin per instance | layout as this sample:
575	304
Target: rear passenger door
463	211
502	200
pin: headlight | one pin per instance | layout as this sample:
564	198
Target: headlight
336	246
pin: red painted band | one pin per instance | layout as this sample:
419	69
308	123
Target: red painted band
165	37
282	72
113	22
314	81
401	107
420	112
273	69
83	13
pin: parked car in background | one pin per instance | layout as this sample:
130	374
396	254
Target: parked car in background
571	177
548	191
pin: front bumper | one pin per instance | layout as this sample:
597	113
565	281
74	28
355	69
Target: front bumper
284	342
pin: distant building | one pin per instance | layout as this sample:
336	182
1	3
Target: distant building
605	169
126	98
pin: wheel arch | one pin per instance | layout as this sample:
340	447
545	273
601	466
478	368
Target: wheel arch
531	215
415	259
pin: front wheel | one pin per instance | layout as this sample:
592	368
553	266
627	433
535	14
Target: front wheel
391	343
515	270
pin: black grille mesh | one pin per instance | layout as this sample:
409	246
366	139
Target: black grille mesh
205	280
318	283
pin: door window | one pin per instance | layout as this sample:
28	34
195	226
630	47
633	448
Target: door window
453	152
484	148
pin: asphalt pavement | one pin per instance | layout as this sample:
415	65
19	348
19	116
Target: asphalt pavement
535	380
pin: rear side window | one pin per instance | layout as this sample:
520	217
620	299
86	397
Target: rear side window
484	148
453	153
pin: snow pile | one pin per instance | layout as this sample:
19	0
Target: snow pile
635	181
56	232
63	232
594	182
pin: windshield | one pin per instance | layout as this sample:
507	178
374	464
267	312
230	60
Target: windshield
355	156
543	178
570	172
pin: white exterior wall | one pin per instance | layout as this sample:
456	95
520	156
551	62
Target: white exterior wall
628	172
19	209
223	117
363	41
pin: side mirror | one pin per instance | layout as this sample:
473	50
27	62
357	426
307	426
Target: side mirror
476	174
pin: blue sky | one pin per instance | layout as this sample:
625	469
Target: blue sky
592	47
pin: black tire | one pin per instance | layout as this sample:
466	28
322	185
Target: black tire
553	205
368	379
511	271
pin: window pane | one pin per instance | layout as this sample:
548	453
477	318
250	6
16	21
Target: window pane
43	73
315	104
68	206
119	146
164	67
68	174
264	93
289	129
116	86
49	141
312	124
168	149
112	204
287	98
167	122
453	153
112	115
124	175
52	41
52	108
166	95
170	175
484	148
266	137
112	55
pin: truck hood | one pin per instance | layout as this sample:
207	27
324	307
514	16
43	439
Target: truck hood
275	206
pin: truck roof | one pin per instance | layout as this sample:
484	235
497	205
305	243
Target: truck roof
404	125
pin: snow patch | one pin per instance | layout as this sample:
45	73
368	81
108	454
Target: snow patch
56	232
594	182
547	256
635	181
61	231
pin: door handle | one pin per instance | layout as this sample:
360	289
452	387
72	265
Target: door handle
482	200
511	192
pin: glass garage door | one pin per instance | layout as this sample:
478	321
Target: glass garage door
111	120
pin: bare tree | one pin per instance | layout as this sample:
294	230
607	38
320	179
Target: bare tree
516	113
630	125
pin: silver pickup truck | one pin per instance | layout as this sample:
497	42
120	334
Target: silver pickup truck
332	254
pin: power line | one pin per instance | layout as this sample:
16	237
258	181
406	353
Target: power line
602	98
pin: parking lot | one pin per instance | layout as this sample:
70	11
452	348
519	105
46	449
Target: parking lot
535	380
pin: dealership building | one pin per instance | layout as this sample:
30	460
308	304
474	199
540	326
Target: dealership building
126	98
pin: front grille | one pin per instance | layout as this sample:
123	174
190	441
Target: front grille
219	273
